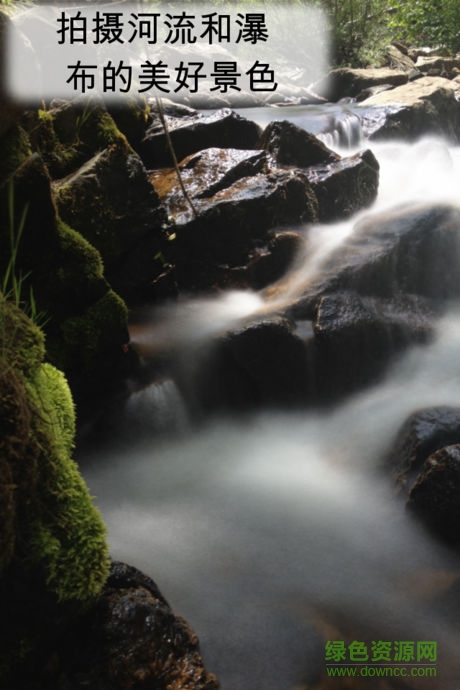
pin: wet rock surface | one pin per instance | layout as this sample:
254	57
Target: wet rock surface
292	146
223	128
345	186
237	198
129	639
357	337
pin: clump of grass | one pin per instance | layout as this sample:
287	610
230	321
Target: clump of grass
14	280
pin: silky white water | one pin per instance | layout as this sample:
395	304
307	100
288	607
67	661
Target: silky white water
259	531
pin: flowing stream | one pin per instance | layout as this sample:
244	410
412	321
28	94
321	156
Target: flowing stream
273	533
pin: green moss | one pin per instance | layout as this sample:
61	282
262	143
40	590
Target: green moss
14	149
80	260
68	539
95	331
22	344
94	202
51	526
60	159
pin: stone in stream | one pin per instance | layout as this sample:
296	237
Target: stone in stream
223	128
423	433
426	106
435	496
342	185
414	249
355	338
425	462
262	363
290	145
347	82
345	186
238	197
127	638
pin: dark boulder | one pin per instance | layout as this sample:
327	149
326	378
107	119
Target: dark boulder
274	260
261	364
345	186
237	198
342	185
292	146
357	337
422	434
128	639
435	496
223	128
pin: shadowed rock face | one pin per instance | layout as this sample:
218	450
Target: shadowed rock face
128	640
237	196
423	433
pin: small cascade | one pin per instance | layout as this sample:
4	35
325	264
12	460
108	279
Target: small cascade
344	131
156	409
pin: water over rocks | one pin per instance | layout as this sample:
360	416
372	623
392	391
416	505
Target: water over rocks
379	292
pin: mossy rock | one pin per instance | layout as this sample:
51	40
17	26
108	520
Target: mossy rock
112	203
53	526
53	551
59	158
91	335
69	133
132	116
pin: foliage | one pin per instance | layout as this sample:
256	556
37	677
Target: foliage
433	23
361	28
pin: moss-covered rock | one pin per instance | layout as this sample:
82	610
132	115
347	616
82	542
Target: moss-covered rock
111	202
52	535
68	133
65	273
93	332
56	526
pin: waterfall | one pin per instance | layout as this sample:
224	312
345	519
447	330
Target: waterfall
269	533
